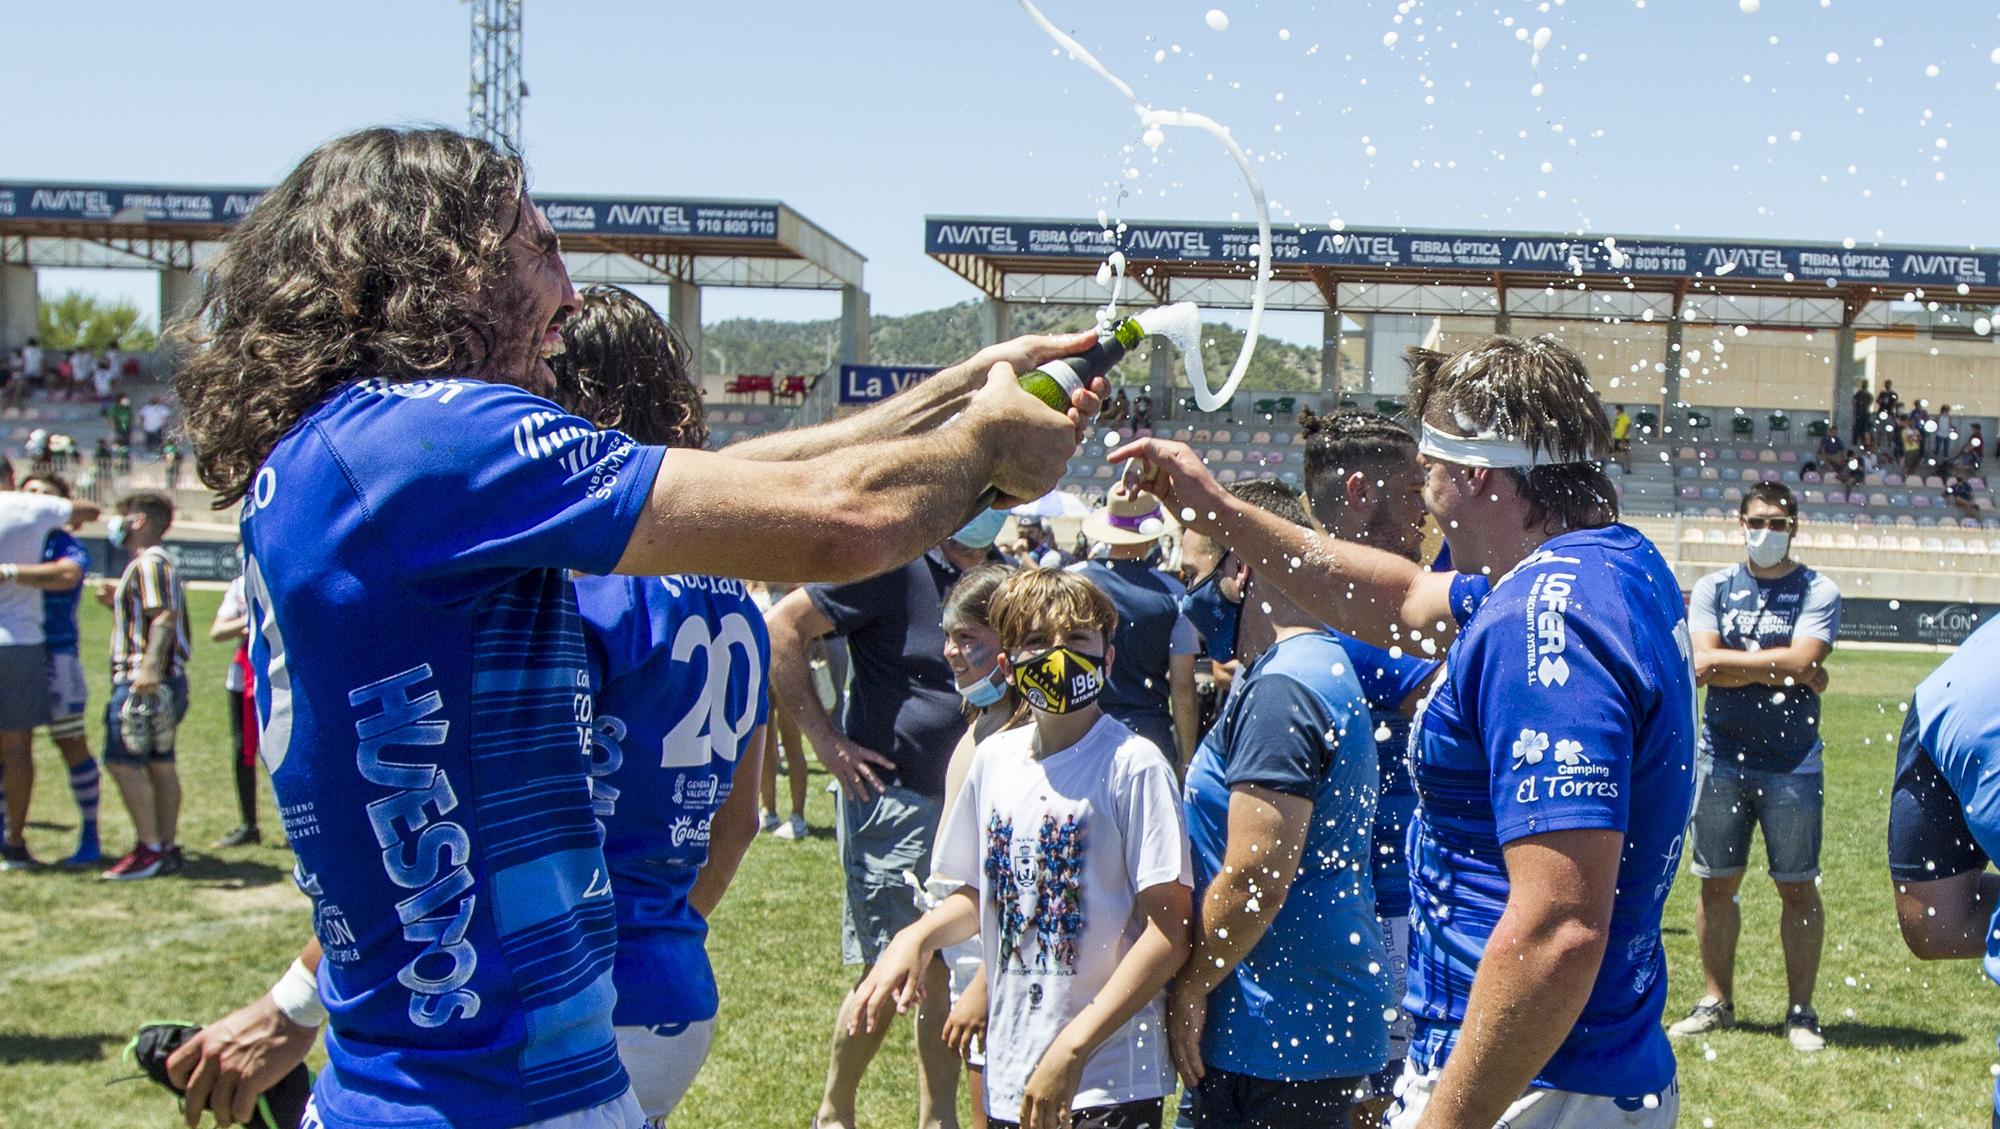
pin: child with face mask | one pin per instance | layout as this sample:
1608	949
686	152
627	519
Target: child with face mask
1067	844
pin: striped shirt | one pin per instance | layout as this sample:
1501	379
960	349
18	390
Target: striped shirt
148	587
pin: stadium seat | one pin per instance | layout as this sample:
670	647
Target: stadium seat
1845	541
1689	471
1184	435
1911	544
1876	499
1212	456
1107	471
1711	493
1788	456
1691	535
1768	457
1389	407
1714	513
1977	547
1226	476
1819	540
1274	458
1779	421
1647	421
1874	479
1732	494
1976	482
1715	537
1867	541
1696	421
1745	455
1861	521
1235	455
1818	428
1710	474
1261	439
1815	498
1810	478
1899	501
1686	454
1920	501
1892	479
1934	544
1933	482
1690	491
1906	521
1202	435
1706	454
1750	474
1741	425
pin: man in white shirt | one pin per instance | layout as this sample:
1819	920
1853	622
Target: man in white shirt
25	523
31	362
153	421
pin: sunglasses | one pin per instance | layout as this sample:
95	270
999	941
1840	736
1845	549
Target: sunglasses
1780	524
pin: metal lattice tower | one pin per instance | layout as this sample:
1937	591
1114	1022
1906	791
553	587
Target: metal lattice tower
493	98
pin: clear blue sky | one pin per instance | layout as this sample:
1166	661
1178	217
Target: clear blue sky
866	116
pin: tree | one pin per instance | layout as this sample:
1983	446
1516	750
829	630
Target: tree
84	321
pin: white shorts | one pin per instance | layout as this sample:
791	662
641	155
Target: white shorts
621	1112
663	1061
68	694
1545	1109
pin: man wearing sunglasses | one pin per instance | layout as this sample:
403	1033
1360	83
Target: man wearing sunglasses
1762	629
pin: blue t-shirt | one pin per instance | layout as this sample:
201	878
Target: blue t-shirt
1151	630
59	608
1944	814
680	666
1568	692
1307	1001
1759	727
424	710
1387	681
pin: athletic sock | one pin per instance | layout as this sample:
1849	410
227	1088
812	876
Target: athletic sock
84	781
246	791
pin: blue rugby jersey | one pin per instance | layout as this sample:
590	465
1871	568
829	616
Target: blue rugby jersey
59	631
679	665
1567	702
424	710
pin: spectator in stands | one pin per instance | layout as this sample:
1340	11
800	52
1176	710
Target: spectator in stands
27	520
172	454
1887	403
1973	452
1151	688
1913	444
1040	550
888	755
1959	494
82	363
101	460
104	379
33	366
1142	415
1762	630
1829	455
1942	436
120	415
153	418
149	689
232	623
1269	1023
1121	408
1621	439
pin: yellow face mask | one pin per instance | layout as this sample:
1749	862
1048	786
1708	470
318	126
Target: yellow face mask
1060	680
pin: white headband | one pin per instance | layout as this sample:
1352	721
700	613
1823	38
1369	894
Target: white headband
1486	449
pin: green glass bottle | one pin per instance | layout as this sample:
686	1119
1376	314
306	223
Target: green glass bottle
1054	383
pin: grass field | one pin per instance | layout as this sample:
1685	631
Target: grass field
84	962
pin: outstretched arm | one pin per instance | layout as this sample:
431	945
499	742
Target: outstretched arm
921	408
1371	594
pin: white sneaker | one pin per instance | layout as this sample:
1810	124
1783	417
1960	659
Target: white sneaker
793	828
1802	1028
1708	1014
767	822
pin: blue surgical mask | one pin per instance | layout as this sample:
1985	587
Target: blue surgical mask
980	531
114	531
985	693
1213	615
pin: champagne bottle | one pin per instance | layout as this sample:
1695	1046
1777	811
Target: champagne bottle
1054	383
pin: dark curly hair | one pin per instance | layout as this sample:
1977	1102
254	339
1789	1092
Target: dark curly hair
624	368
1341	442
380	255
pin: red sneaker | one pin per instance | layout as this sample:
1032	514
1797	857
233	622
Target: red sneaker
141	862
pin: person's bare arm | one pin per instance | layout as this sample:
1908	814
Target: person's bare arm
1373	595
1947	919
921	408
161	631
49	576
227	1065
794	623
731	830
849	513
1186	704
1540	966
1141	973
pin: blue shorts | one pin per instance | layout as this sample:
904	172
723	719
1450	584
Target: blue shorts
1730	802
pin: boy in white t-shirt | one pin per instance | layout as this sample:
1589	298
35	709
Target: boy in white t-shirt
1068	841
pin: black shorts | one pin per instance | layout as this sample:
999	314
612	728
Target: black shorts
1227	1100
1129	1115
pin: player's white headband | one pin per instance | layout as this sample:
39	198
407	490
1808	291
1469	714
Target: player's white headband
1485	449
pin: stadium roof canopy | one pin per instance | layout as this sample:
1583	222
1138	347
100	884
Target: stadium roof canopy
625	240
1760	284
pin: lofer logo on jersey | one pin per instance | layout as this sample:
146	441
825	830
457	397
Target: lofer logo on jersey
1548	628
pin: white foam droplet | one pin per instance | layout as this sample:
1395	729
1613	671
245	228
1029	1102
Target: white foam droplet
1218	20
1931	71
1832	57
1284	34
1153	137
1542	36
1389	39
1160	56
1741	331
1749	7
1994	56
